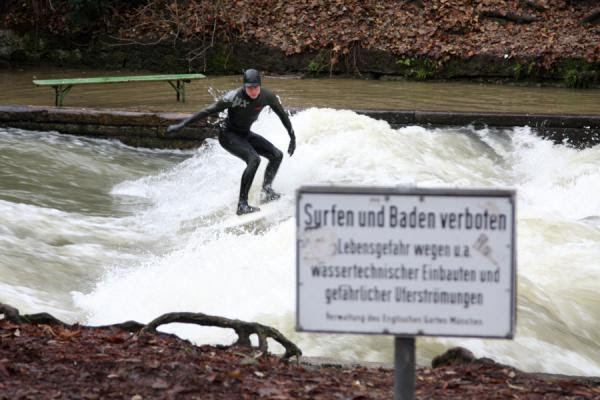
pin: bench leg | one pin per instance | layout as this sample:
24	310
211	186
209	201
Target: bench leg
179	87
60	92
57	100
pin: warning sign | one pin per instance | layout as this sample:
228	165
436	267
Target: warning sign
406	261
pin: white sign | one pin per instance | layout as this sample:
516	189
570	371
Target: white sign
406	261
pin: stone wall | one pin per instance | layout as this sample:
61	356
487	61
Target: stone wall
148	129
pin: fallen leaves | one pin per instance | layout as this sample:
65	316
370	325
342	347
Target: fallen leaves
443	27
59	332
96	363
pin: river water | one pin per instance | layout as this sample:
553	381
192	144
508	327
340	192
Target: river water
98	232
17	88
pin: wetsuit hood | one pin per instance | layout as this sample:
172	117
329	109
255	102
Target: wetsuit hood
251	78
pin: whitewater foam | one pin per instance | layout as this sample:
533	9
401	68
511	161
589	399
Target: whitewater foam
169	256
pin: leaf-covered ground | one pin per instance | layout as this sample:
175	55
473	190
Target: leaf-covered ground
539	31
53	362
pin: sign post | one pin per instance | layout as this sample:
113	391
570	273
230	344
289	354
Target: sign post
406	262
404	368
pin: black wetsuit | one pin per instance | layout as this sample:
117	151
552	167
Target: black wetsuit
237	138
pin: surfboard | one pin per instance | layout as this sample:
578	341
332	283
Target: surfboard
267	210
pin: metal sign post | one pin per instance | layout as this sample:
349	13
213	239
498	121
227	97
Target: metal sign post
406	262
404	368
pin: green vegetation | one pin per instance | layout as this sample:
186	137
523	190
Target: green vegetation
579	74
314	67
524	71
319	63
518	71
419	68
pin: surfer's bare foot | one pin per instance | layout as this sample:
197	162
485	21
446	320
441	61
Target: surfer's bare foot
268	194
244	208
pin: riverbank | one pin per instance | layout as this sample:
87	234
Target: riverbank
51	361
500	41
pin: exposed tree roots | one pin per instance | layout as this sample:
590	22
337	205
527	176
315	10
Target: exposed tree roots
243	329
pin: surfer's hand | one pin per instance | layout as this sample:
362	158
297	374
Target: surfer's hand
292	146
173	128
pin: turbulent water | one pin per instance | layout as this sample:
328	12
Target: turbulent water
98	232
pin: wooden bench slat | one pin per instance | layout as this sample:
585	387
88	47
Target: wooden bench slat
116	79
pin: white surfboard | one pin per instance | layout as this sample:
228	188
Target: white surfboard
250	221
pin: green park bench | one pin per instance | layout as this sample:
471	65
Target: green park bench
62	86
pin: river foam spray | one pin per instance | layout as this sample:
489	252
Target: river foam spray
250	273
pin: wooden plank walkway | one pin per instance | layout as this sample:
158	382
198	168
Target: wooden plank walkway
63	86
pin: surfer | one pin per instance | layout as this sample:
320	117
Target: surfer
243	106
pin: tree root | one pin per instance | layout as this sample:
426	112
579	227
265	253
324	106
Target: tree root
13	315
243	329
509	16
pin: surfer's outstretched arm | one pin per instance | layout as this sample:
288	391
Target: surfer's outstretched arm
214	108
285	120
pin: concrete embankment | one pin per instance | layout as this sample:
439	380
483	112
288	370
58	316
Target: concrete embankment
147	129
